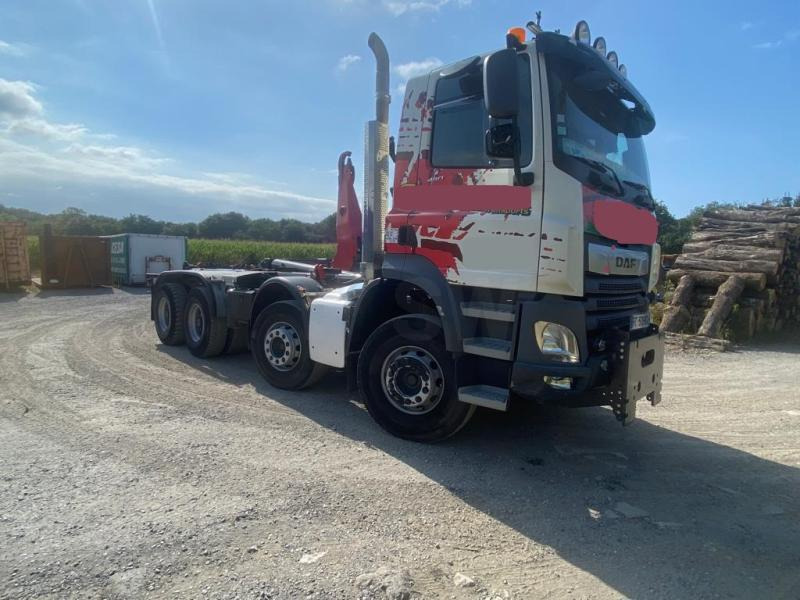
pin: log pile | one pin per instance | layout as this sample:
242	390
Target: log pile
738	275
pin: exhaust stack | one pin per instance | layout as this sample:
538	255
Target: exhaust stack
376	164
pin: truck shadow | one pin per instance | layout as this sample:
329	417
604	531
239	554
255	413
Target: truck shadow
649	511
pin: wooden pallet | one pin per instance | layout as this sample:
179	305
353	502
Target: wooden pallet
15	268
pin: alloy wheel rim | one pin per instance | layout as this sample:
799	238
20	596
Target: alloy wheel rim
164	314
412	380
197	323
283	346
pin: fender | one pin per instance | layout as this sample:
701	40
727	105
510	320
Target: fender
275	289
420	272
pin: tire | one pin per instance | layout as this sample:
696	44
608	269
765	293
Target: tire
397	362
236	342
279	344
170	305
205	333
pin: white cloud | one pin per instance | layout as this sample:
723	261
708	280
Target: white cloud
746	26
413	69
119	157
45	129
12	49
38	154
17	100
789	37
409	70
347	61
401	7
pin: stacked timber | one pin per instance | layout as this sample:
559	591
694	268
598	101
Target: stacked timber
738	275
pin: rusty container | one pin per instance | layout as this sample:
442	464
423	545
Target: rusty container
74	260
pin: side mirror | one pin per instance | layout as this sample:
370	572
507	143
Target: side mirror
501	141
501	84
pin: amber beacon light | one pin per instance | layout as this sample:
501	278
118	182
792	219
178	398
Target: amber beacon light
518	33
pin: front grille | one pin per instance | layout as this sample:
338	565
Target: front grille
600	284
611	301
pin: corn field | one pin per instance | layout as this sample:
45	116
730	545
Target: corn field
228	252
237	252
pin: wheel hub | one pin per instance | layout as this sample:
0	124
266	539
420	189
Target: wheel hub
196	321
164	312
282	346
412	380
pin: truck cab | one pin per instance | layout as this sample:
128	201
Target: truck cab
518	258
539	221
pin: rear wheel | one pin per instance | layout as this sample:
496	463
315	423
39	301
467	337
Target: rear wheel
279	344
170	305
407	381
237	341
205	333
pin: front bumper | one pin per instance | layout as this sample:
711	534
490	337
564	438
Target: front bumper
628	370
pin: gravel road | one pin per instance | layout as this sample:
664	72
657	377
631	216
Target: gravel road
133	470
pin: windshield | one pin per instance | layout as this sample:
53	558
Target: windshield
597	125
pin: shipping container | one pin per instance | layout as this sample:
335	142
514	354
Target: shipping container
135	255
15	268
74	260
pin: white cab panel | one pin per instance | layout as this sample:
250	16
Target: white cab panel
327	330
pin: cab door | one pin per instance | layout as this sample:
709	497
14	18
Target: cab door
466	214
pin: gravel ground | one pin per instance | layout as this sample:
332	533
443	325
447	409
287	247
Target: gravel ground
133	470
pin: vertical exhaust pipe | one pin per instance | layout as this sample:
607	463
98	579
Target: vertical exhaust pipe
376	164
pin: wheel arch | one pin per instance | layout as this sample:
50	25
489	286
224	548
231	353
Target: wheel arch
277	289
381	300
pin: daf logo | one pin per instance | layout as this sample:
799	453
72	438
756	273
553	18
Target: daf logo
625	262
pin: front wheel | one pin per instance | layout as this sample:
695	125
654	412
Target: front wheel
279	343
407	381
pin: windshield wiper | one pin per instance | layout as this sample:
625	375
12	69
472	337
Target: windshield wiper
649	202
603	168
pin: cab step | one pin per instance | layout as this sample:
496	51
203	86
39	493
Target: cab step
488	347
489	310
487	396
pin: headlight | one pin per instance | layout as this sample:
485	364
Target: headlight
557	341
655	266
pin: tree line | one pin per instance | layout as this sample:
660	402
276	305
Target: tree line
231	225
673	231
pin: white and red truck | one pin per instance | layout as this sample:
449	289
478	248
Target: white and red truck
518	259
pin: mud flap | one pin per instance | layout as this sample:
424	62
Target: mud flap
643	373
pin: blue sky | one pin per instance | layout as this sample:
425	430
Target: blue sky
180	108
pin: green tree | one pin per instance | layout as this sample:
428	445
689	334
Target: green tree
141	224
264	229
293	231
223	226
184	229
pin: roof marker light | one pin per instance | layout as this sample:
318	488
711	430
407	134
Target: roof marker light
613	59
623	70
582	33
519	33
600	46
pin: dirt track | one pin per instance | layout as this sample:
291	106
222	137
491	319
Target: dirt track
128	469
